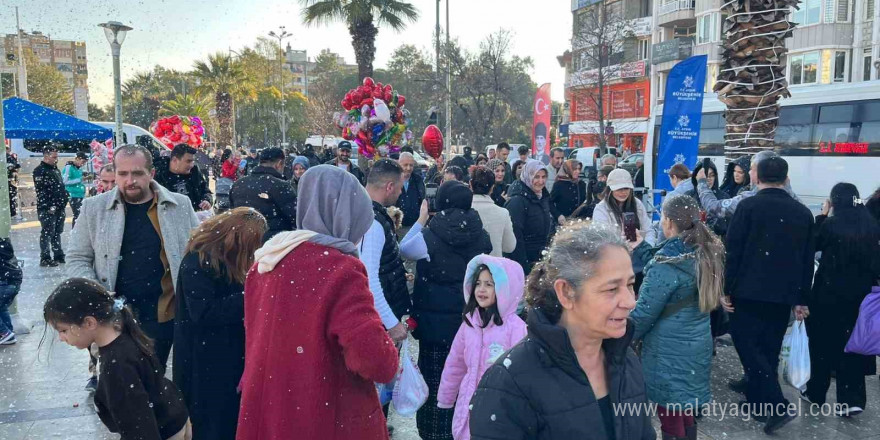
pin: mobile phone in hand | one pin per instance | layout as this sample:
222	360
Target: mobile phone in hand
629	226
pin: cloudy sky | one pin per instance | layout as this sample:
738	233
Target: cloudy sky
173	33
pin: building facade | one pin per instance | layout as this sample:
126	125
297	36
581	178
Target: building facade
836	41
626	85
302	68
68	57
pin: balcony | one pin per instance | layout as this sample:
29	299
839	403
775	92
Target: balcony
676	12
673	50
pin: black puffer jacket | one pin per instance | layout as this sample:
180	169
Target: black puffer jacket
538	391
566	197
50	188
454	236
532	222
392	274
730	186
10	273
264	190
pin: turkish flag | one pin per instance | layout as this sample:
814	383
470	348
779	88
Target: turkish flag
541	121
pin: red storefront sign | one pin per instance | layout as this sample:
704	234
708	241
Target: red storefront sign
843	147
630	100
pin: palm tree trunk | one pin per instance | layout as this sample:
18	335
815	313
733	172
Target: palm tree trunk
363	39
226	133
751	78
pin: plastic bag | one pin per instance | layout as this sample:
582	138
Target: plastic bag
386	391
865	338
796	356
411	391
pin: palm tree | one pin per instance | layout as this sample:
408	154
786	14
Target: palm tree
192	104
143	94
224	78
361	16
751	78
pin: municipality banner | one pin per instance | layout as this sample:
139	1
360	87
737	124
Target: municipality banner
682	115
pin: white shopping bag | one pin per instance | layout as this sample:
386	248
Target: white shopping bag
410	391
796	356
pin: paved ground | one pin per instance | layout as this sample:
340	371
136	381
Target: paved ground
42	397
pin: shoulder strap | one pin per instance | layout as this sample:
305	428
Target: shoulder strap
675	307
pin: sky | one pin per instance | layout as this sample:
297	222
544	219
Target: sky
174	33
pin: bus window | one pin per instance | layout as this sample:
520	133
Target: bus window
869	111
836	113
711	142
793	140
796	115
870	134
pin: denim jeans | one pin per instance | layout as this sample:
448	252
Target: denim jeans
7	294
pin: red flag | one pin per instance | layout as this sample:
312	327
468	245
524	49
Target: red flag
541	121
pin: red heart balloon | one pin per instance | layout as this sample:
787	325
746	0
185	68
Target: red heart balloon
388	88
432	141
401	100
369	82
387	97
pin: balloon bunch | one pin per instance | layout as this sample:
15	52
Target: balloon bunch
176	129
375	119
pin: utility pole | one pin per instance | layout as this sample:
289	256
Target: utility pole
22	69
448	81
281	35
437	39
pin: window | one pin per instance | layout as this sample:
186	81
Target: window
842	11
808	14
707	28
869	9
866	69
836	113
840	66
804	68
682	32
644	49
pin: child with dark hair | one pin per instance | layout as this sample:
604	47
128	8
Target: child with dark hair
133	398
493	288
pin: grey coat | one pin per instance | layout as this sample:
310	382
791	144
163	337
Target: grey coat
94	246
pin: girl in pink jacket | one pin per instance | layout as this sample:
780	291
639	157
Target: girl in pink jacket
493	288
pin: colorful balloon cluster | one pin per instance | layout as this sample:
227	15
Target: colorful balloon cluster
375	119
176	129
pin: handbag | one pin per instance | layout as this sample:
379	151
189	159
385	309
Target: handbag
865	338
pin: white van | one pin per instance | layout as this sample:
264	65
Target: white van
588	156
30	151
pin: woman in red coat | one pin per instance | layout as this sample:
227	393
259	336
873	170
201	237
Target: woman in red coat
314	344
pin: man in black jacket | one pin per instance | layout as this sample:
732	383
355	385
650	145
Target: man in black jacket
413	191
52	198
343	160
769	270
265	190
12	167
502	152
180	175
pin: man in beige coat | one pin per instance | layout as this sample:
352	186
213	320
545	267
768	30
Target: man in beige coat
131	239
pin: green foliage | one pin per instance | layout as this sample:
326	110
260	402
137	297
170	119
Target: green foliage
46	85
97	113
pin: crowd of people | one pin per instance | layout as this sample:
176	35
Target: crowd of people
541	296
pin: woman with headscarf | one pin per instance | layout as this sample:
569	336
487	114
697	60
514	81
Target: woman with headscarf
300	166
529	207
569	191
736	178
499	191
716	224
314	342
443	249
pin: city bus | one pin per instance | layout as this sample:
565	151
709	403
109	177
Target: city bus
827	133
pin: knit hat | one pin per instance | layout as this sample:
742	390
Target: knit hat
619	179
301	160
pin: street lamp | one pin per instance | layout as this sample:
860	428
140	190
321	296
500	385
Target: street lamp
281	35
115	33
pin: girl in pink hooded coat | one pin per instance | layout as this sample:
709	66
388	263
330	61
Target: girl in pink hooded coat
493	288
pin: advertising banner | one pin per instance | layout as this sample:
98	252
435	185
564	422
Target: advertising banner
682	116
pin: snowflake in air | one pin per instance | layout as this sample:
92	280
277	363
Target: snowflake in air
683	121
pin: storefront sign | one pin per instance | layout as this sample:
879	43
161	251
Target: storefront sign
843	147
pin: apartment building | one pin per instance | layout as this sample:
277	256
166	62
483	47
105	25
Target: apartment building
302	67
627	86
836	41
69	57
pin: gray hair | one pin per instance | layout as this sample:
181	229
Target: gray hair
762	156
406	155
573	255
607	156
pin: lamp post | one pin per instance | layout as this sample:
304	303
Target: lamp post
115	33
281	35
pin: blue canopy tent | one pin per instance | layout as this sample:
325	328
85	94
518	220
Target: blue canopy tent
26	120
